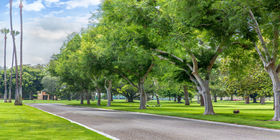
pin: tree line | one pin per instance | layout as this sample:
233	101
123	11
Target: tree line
210	48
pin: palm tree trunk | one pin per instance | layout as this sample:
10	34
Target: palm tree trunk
11	78
5	70
17	101
21	40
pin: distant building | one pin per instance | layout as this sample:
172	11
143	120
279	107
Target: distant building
43	96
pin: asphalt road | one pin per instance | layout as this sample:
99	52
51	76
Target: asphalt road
135	126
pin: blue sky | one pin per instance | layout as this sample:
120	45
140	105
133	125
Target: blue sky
46	25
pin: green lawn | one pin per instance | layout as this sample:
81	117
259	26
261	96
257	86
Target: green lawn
27	123
251	114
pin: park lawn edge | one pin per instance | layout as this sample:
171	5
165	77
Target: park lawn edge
76	124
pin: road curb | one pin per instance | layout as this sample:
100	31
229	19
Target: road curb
99	132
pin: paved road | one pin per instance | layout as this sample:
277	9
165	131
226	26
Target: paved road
133	126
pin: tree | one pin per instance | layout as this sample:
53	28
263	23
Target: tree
128	38
21	41
32	77
5	32
128	91
269	56
201	29
51	85
99	67
68	67
11	71
18	98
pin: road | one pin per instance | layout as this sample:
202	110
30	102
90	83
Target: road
137	126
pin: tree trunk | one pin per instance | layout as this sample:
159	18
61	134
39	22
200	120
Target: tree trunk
30	96
254	100
276	90
130	99
92	96
112	96
201	100
175	98
187	102
142	94
247	99
198	98
179	98
231	97
207	99
82	98
21	43
109	92
70	97
99	97
273	103
11	78
88	97
262	100
158	102
215	97
5	69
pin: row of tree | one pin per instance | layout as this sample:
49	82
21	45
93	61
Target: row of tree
5	31
201	44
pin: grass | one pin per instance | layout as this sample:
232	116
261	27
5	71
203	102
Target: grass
28	123
250	114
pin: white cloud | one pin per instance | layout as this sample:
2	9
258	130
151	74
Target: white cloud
71	4
51	1
34	6
43	37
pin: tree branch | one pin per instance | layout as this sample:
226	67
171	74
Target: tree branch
127	79
275	42
166	53
260	54
148	71
195	72
212	61
195	65
105	84
258	31
190	67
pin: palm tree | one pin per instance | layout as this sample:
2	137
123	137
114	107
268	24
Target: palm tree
21	39
5	31
12	68
18	101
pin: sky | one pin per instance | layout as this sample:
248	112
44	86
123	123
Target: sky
46	25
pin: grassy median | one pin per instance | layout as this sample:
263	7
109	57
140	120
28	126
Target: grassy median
28	123
253	114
